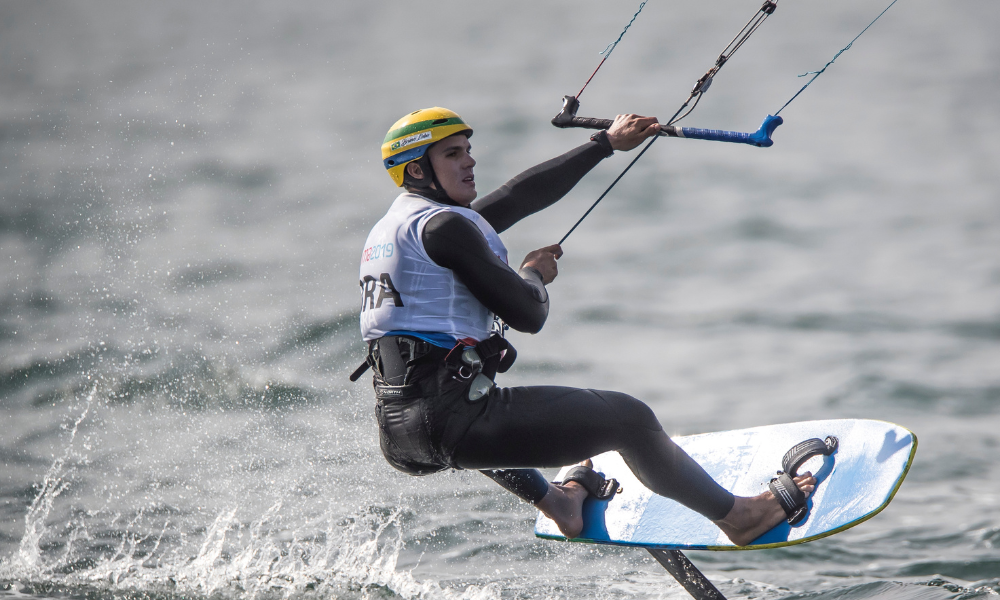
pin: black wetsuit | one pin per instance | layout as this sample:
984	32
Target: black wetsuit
426	421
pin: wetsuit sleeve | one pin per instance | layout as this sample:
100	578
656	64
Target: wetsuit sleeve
455	243
541	186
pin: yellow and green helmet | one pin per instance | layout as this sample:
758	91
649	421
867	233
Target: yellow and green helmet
409	138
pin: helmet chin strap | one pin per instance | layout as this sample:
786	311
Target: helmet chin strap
423	186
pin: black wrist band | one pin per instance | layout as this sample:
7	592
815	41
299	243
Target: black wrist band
601	137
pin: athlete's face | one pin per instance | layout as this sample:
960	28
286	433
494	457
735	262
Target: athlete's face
452	161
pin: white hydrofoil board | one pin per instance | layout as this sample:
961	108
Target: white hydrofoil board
854	484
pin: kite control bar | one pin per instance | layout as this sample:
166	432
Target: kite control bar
761	138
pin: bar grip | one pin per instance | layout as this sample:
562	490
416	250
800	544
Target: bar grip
588	123
567	116
761	138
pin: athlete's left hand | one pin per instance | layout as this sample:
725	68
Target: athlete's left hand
544	260
628	131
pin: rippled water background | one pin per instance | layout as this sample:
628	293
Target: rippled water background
185	188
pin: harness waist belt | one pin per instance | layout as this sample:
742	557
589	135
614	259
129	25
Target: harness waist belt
397	391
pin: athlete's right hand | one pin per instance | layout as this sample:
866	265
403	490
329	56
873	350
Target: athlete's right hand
544	260
628	131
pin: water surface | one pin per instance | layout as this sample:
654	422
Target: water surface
186	187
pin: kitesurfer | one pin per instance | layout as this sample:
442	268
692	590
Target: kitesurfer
434	275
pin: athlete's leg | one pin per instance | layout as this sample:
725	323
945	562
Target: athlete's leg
527	484
551	426
561	503
545	426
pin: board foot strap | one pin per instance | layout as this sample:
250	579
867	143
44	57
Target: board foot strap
789	496
591	480
803	451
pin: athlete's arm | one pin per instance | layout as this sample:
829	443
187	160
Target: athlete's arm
540	186
519	298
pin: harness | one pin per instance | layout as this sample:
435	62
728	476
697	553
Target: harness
394	357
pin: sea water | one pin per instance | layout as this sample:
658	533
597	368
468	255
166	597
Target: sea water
185	189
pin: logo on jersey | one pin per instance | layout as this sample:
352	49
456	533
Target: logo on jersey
386	291
377	251
413	139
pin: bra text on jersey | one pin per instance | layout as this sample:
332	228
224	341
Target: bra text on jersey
385	291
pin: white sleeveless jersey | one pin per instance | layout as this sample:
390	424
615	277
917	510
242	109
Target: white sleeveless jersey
402	289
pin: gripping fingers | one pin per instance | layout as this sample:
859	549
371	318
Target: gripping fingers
628	131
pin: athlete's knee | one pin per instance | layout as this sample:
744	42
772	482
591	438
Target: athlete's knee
631	412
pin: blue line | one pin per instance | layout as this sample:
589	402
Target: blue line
816	74
611	47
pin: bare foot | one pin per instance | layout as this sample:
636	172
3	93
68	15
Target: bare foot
752	517
564	505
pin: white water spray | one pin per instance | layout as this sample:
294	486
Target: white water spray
28	559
